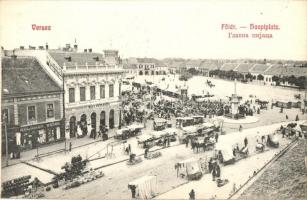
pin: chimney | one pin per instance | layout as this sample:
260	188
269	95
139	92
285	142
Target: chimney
96	58
13	56
76	47
47	47
85	50
68	58
90	50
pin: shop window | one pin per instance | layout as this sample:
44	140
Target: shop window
111	90
50	111
71	95
5	115
41	136
102	92
82	93
92	91
31	113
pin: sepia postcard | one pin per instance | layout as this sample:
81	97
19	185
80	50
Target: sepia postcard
161	100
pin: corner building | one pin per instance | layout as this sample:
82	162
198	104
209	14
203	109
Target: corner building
92	85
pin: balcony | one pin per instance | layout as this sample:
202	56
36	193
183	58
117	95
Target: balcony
92	69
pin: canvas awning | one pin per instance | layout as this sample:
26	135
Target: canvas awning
144	137
146	187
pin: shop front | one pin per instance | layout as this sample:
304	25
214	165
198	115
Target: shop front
33	136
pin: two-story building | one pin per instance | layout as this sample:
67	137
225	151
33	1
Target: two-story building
145	66
92	85
32	104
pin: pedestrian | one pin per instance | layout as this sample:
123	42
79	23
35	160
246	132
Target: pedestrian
213	172
168	141
216	137
177	166
129	149
240	128
234	152
186	142
287	117
133	190
70	146
218	171
283	132
94	133
192	195
245	142
146	152
296	118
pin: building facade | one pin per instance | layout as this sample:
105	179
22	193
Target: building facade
32	104
145	66
92	86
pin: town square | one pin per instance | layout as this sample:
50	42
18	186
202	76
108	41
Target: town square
86	119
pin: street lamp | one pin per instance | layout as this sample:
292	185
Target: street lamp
4	118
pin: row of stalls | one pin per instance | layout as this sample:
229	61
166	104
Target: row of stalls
194	126
156	137
288	104
129	131
229	150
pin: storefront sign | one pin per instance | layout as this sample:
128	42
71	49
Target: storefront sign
40	126
53	124
98	105
32	127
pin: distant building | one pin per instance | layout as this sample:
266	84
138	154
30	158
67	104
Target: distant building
145	66
32	103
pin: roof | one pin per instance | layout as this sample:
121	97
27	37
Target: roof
280	70
79	58
210	65
260	68
142	180
244	67
157	62
229	66
25	76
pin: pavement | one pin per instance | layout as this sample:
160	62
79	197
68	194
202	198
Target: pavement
55	147
238	173
104	153
117	177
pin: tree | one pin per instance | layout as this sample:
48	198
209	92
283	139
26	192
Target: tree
185	76
291	79
260	77
276	79
192	71
249	76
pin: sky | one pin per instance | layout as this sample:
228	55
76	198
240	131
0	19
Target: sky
160	29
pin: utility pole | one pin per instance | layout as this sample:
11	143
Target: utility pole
305	101
4	118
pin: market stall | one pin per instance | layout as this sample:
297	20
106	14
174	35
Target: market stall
160	124
122	133
144	187
146	140
189	169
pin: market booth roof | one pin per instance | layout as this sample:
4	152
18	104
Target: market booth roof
146	186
